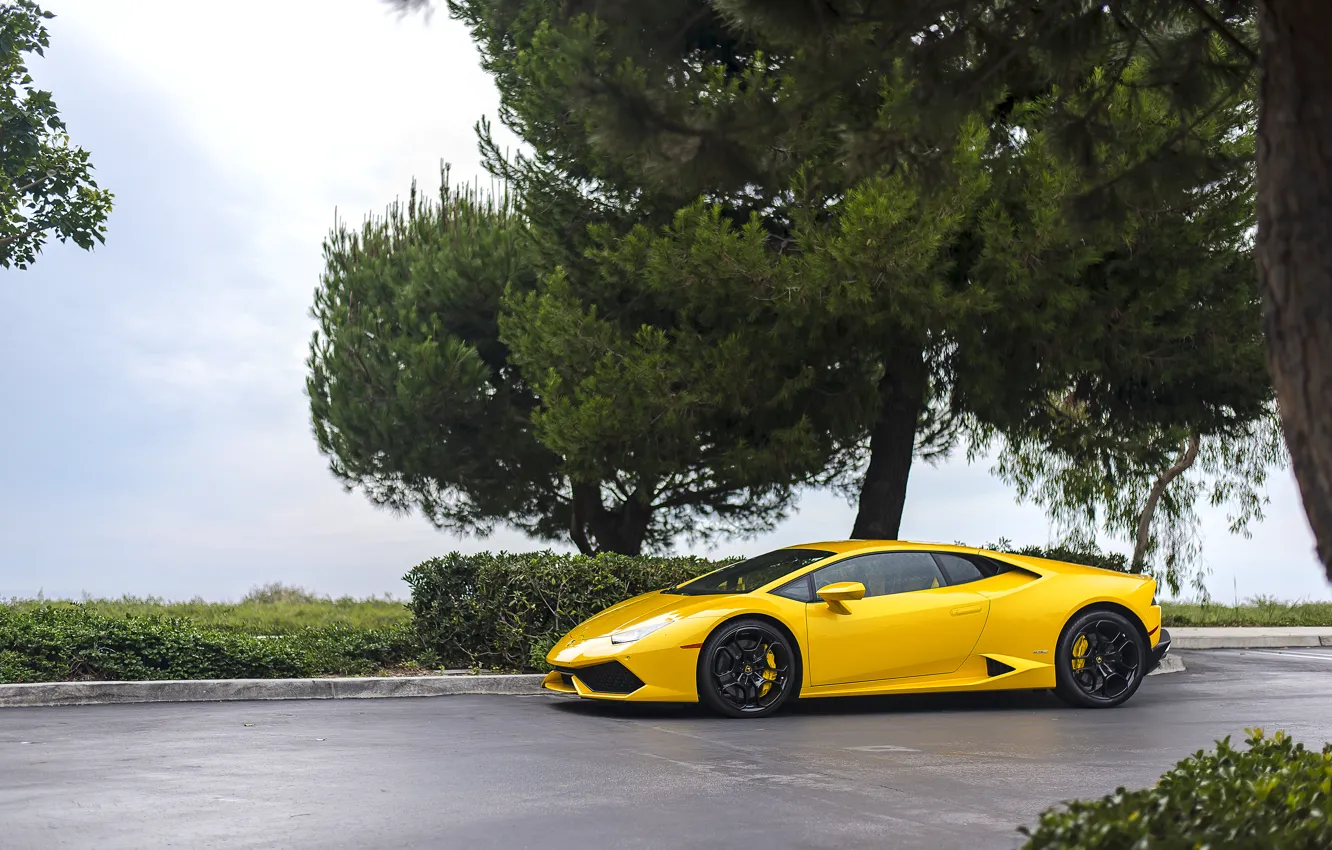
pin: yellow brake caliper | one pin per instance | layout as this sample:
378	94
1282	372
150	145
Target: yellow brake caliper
769	673
1080	647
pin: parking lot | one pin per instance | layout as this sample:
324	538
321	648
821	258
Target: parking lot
552	772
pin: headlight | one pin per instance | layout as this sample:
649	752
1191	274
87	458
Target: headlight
631	635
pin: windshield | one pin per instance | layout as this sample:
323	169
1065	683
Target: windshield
752	574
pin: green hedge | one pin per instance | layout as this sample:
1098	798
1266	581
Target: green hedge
505	611
1276	795
68	642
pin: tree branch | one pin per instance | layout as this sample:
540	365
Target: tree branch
1176	469
1222	30
24	235
26	186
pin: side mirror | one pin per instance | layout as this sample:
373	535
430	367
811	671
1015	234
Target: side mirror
838	593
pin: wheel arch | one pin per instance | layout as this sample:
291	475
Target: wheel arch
1117	608
782	627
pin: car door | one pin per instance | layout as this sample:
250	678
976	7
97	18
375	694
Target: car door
910	622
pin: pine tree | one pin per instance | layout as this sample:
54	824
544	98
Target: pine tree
439	372
411	393
969	55
939	271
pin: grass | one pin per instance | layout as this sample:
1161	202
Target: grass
1259	611
273	609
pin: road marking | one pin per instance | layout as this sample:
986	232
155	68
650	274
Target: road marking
1327	657
884	748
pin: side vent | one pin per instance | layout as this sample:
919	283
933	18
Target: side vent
997	668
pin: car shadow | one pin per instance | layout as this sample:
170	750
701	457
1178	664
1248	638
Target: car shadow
995	701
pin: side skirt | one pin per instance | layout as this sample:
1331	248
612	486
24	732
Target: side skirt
973	675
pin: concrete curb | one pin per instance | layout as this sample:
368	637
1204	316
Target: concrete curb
217	690
1249	637
1169	664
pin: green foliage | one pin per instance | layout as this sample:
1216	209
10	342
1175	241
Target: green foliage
46	185
437	383
917	257
1259	611
679	367
1094	480
1072	552
507	610
411	392
1276	795
722	94
55	642
271	610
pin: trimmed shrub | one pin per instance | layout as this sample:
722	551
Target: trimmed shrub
1274	796
62	642
505	611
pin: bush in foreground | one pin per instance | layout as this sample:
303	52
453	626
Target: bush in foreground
60	642
1276	795
506	611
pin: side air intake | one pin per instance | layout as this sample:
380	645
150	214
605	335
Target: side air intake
997	668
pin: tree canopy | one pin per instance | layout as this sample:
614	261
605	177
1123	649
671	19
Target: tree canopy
437	383
47	187
775	244
969	55
411	392
941	274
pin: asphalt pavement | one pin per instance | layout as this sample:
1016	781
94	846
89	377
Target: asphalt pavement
553	772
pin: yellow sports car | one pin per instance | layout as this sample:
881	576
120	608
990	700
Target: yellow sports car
870	617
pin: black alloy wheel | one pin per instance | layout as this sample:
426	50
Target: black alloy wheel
747	668
1101	660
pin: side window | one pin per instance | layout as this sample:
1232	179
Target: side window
959	570
884	573
797	589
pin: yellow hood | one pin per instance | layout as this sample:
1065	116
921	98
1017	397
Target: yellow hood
631	612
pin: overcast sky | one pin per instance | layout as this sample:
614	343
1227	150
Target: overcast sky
156	438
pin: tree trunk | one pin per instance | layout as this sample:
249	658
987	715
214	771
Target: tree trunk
892	445
586	497
595	528
1295	239
1183	462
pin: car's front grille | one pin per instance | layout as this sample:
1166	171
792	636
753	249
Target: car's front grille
611	677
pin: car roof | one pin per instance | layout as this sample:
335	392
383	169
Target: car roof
845	547
1043	566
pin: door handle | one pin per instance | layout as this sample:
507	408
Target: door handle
966	609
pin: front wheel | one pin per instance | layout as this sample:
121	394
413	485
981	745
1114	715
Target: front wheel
747	668
1100	661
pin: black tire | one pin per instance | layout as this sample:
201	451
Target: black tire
747	668
1101	660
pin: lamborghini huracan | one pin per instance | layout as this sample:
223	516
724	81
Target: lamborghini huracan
866	618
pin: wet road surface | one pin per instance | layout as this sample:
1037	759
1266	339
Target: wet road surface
552	772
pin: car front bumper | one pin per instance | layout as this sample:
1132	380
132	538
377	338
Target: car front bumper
1159	651
651	669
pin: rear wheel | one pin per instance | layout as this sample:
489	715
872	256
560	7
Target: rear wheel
1100	661
747	668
